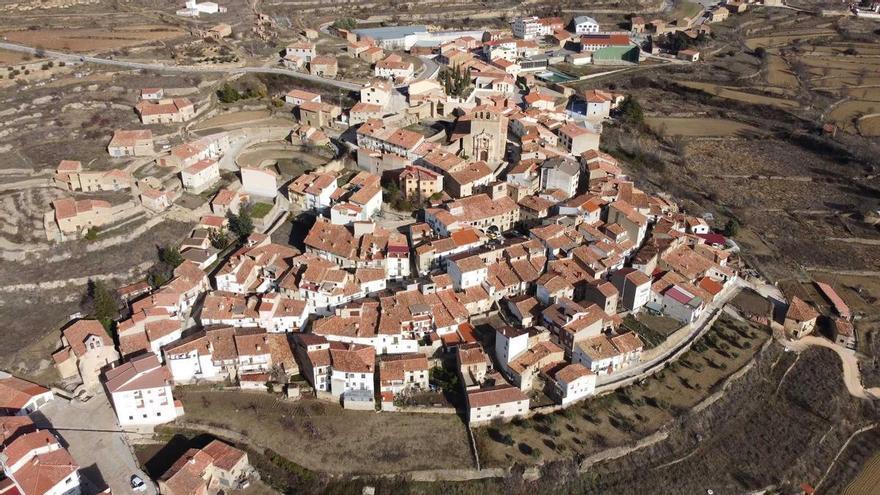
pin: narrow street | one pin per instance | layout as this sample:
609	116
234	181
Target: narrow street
95	441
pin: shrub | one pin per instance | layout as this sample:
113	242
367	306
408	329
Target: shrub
498	436
228	94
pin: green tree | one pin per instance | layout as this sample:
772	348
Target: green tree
228	94
242	224
219	239
256	89
731	228
346	23
100	303
631	111
170	255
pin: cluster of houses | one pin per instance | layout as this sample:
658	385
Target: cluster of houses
302	55
521	214
35	461
191	166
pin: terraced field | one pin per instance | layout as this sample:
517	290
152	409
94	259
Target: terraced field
868	482
699	127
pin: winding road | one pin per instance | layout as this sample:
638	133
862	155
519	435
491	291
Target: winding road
78	58
852	376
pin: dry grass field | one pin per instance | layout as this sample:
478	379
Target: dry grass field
232	119
779	73
92	40
868	481
327	438
699	127
737	95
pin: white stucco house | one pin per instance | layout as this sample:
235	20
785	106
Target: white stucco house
584	25
261	182
140	391
200	175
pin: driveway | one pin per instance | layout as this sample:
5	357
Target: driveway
94	440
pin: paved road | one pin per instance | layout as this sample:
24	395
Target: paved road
94	440
430	71
74	58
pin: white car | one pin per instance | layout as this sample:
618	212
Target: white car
137	483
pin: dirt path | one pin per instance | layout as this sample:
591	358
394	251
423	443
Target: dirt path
77	281
851	373
856	240
842	449
857	273
25	184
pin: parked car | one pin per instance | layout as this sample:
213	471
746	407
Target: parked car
137	483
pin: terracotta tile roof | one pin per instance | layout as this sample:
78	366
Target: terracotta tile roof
471	172
606	38
839	306
574	131
469	355
82	330
45	471
324	60
502	394
130	138
13	426
334	239
405	139
443	160
361	107
572	372
15	393
68	166
480	207
303	95
24	444
627	342
465	237
843	328
187	474
353	358
598	348
176	105
140	373
394	367
535	356
799	310
69	207
536	203
200	166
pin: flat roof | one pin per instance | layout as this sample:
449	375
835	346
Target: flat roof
391	32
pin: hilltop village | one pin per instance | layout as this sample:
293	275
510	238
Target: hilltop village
466	248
